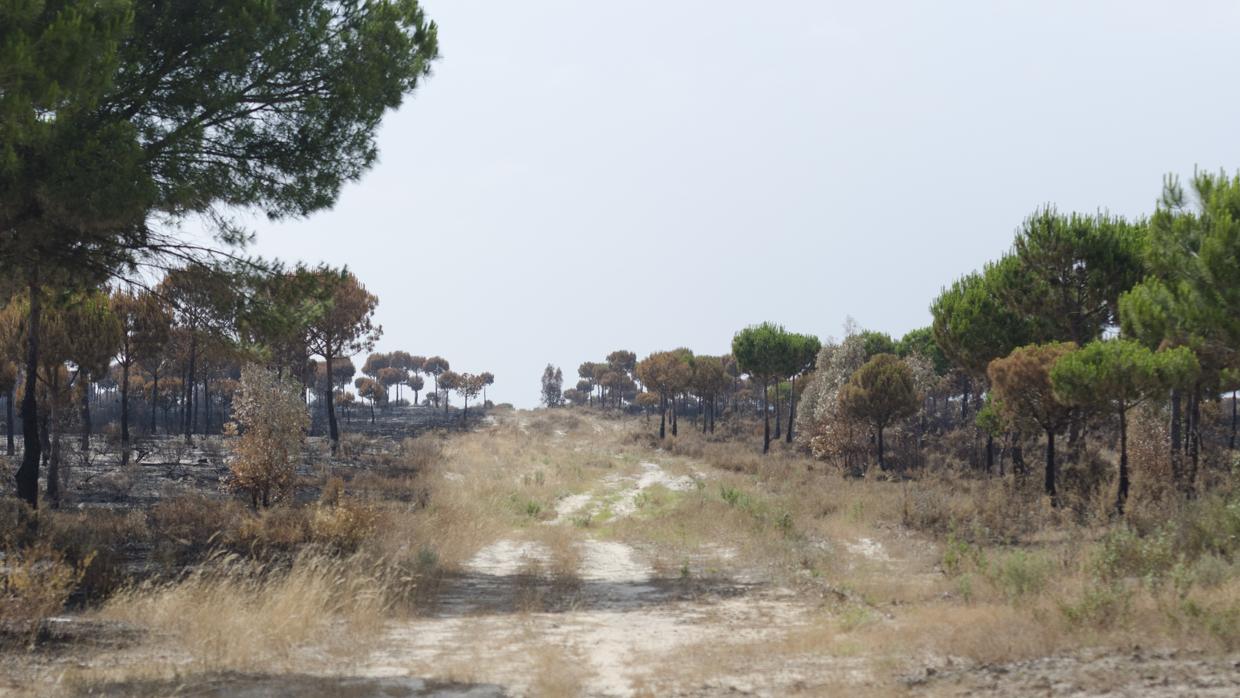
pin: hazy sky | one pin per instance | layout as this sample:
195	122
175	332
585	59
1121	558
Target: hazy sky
581	176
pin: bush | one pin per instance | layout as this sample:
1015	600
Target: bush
35	583
1019	574
272	422
1099	606
345	525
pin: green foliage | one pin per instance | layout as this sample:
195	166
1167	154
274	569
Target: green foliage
921	342
973	327
762	351
876	343
880	392
1120	373
1066	272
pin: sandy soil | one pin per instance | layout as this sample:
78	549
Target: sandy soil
612	624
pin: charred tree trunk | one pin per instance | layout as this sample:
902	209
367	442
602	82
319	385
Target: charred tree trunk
964	401
990	453
1019	469
1121	496
1194	441
1231	443
124	413
27	476
662	416
766	421
333	429
85	413
9	422
792	409
1050	468
1177	453
882	464
190	380
154	402
779	411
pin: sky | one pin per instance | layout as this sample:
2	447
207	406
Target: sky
578	177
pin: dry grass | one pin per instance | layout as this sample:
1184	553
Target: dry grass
236	615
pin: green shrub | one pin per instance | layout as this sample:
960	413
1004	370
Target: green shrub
1019	574
1101	606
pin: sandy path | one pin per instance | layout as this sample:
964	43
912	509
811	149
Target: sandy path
609	632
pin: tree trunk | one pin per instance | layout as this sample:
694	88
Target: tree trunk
675	418
1019	470
27	476
124	413
1177	454
990	453
779	411
882	465
85	414
51	439
189	390
766	422
333	429
1122	495
154	402
792	409
1194	441
53	460
662	416
1050	468
206	404
964	401
8	406
1231	443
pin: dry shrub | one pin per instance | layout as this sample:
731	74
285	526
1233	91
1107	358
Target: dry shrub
100	535
278	529
237	615
1086	485
420	454
996	510
35	583
188	525
1153	497
271	421
117	483
344	525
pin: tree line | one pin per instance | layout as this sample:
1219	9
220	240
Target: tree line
1085	319
179	346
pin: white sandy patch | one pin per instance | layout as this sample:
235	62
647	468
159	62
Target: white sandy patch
613	563
506	558
652	474
869	549
568	506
